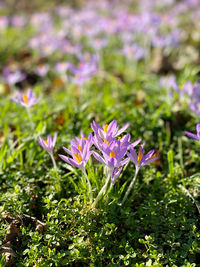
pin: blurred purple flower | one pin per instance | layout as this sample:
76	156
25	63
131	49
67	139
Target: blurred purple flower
27	100
18	21
4	21
61	67
13	77
83	72
42	70
133	52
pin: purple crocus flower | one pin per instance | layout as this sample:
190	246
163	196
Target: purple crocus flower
195	106
4	21
113	158
80	151
13	77
83	72
18	21
49	143
194	136
42	70
27	100
133	52
61	67
111	129
141	159
113	155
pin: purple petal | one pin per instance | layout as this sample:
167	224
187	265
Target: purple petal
54	139
67	150
98	157
191	135
123	162
123	129
198	130
136	142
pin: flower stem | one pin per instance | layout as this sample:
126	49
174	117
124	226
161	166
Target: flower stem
89	185
30	118
54	163
131	185
102	191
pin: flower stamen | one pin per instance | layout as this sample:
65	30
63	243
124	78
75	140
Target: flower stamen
105	128
112	154
78	157
140	155
106	142
25	98
79	147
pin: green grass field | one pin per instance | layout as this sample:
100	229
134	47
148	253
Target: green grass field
159	223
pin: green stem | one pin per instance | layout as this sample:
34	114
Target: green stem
30	118
131	185
102	191
89	185
54	163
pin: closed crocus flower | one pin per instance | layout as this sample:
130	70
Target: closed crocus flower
48	145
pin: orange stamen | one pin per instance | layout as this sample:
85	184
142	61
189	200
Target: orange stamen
79	147
78	157
140	155
106	142
25	98
46	142
105	128
112	154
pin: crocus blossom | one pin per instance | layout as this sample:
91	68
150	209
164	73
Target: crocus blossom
13	77
49	143
80	152
27	100
140	159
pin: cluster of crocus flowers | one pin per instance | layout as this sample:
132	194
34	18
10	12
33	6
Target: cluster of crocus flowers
114	152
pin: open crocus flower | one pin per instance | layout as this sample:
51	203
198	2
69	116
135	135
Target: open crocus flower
113	154
27	100
111	129
108	132
194	136
48	145
141	159
80	152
